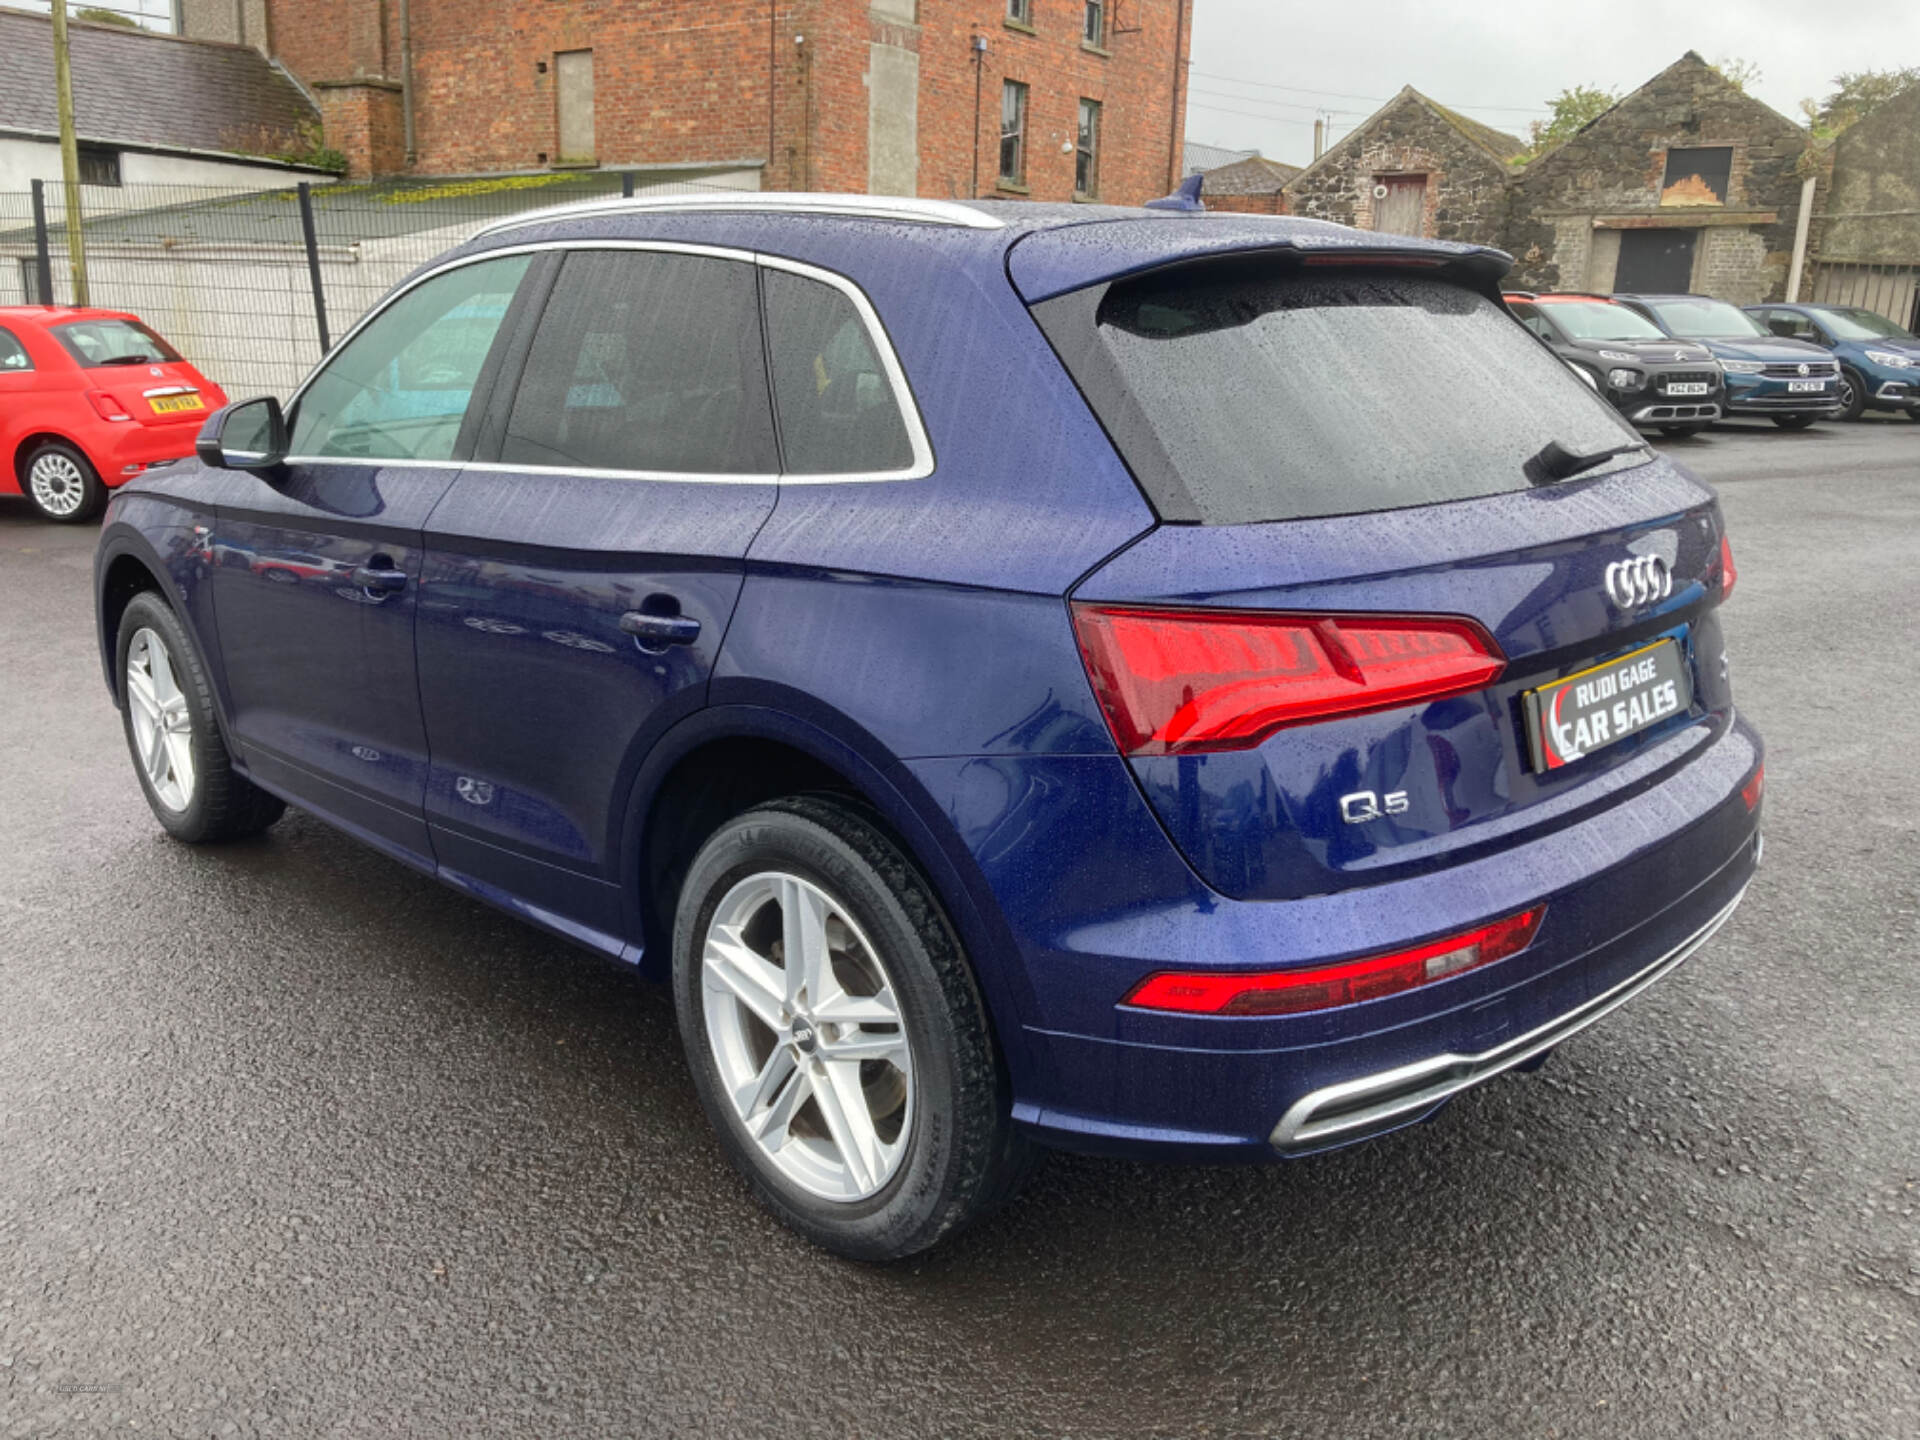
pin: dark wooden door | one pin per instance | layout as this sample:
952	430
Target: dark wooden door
1403	211
1656	262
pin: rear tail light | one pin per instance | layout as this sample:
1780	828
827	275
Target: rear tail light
106	406
1754	789
1727	573
1289	992
1178	682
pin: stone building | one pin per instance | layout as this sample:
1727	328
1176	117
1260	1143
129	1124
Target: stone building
1687	184
1866	233
1048	99
1414	167
1254	185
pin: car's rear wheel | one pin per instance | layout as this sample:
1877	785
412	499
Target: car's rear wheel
1794	422
174	735
62	483
835	1033
1853	395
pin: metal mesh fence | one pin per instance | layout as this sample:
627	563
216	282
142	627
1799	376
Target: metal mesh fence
235	280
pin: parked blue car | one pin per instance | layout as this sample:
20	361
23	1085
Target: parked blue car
1879	360
1006	666
1790	382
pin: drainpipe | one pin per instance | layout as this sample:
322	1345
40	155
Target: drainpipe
406	81
1174	167
1801	226
979	67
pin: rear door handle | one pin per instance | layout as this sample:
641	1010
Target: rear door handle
660	629
379	579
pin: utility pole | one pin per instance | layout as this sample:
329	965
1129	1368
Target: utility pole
69	151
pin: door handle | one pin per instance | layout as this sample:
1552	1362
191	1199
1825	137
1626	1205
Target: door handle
660	629
379	579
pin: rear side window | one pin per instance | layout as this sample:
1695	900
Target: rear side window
13	355
838	411
1240	393
649	362
96	343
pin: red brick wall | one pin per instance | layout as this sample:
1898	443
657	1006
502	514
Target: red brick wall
363	122
1275	204
687	82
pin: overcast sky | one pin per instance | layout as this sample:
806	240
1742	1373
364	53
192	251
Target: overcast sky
1261	67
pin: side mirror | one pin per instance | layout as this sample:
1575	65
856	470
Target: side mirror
249	436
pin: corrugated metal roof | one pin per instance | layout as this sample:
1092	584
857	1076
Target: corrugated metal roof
136	87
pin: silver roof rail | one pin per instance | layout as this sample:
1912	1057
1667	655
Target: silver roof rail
854	207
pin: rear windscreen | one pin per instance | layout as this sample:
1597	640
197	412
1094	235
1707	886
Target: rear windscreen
1240	394
113	342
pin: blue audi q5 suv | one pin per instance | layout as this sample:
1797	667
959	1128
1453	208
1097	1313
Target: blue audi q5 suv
1163	684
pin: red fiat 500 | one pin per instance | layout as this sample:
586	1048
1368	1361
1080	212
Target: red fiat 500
88	400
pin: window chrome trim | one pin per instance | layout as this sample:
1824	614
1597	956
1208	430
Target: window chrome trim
903	397
774	202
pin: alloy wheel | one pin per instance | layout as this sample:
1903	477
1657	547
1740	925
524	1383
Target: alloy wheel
58	486
807	1037
161	724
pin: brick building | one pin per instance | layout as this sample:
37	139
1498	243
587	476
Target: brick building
1413	167
1053	99
1251	186
1687	184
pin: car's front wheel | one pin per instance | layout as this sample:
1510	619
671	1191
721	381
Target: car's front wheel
61	483
1853	395
835	1033
174	735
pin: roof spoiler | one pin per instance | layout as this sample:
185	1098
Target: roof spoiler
1186	199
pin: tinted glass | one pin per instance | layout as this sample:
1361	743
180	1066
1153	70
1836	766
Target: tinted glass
838	412
1854	323
1242	395
399	389
646	361
1599	320
13	355
113	342
1698	318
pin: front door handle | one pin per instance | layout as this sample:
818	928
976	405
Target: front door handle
660	629
379	579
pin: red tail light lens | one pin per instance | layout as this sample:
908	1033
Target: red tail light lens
1177	682
1727	573
1755	789
106	406
1289	992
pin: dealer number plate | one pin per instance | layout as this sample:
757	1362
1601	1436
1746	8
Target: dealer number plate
1805	387
174	404
1689	387
1571	718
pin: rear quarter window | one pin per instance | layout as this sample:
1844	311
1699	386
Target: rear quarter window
1241	392
13	355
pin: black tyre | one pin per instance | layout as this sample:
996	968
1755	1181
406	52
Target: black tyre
1794	422
178	752
859	1090
61	483
1853	394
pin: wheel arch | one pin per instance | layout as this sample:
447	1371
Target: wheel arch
28	443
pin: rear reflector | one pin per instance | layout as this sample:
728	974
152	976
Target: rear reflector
1727	573
1289	992
106	406
1754	789
1179	682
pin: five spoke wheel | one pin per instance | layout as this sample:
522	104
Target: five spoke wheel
162	727
807	1037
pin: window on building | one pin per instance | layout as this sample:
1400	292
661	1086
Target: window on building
1013	133
1086	157
1020	12
99	166
839	414
1096	31
573	105
1697	176
646	362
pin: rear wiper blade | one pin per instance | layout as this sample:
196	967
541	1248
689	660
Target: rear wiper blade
1555	462
124	360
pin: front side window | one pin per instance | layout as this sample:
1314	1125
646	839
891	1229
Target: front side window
399	389
13	355
1698	318
838	411
1096	31
1013	133
1086	157
98	343
646	361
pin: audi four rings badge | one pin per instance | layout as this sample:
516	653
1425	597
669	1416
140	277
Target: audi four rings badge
1640	581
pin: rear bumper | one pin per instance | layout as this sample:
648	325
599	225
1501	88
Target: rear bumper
130	447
